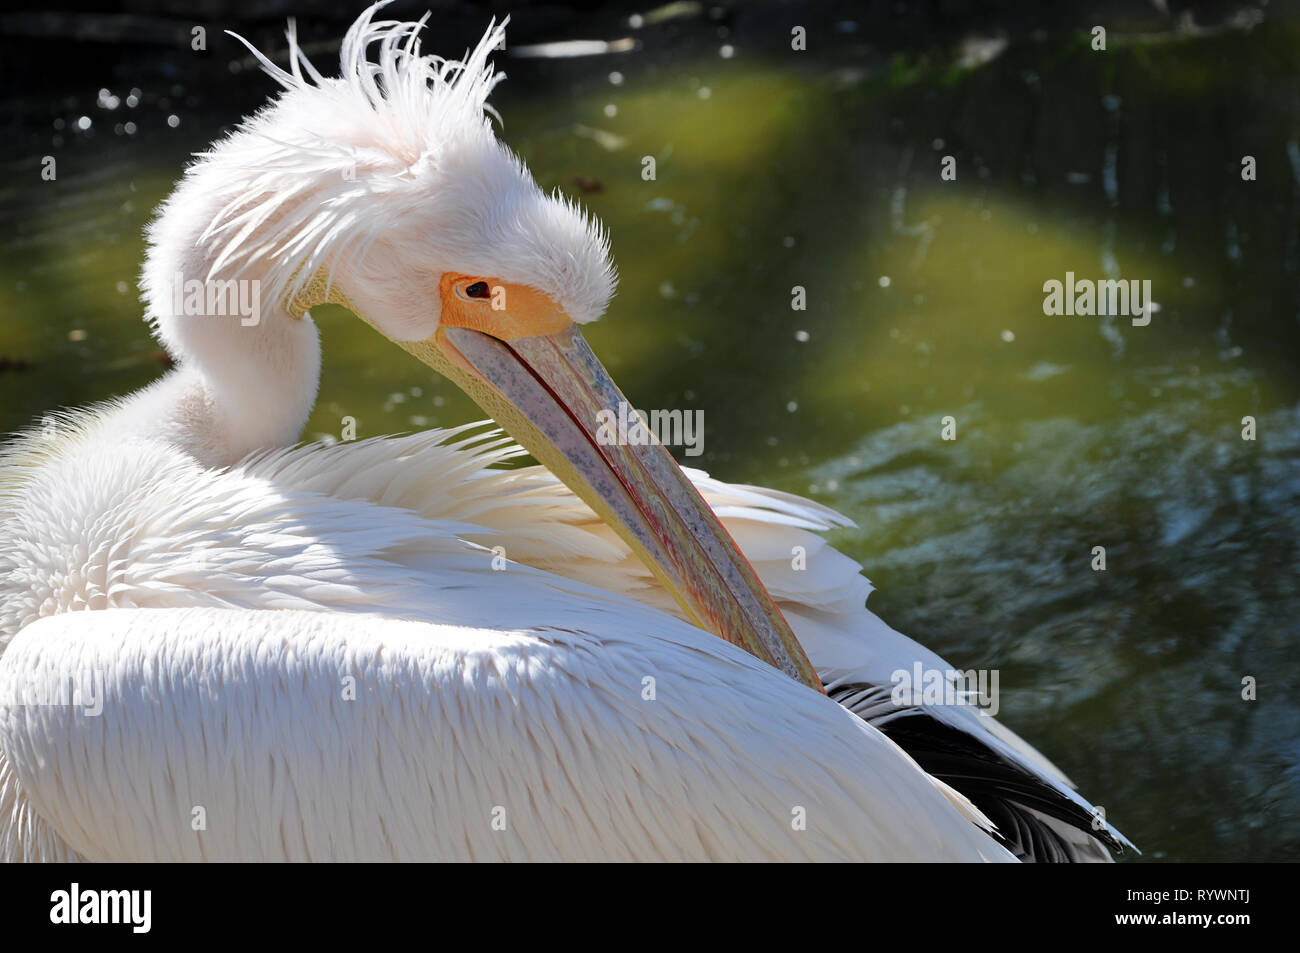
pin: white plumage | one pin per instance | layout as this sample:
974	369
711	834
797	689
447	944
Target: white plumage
390	649
475	689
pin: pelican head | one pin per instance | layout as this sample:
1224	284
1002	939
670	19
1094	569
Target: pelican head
386	190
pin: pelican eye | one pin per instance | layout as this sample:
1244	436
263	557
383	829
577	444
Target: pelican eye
478	289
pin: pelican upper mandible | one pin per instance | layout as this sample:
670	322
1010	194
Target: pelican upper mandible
220	645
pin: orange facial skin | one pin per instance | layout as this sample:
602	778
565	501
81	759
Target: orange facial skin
507	313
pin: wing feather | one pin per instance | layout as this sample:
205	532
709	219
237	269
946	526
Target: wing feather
242	719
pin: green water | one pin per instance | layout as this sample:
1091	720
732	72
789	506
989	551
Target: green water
924	300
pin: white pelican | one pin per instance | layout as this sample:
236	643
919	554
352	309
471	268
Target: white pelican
318	653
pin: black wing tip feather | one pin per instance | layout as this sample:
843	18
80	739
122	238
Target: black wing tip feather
1009	796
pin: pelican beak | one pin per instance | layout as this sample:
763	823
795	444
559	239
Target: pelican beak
530	368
